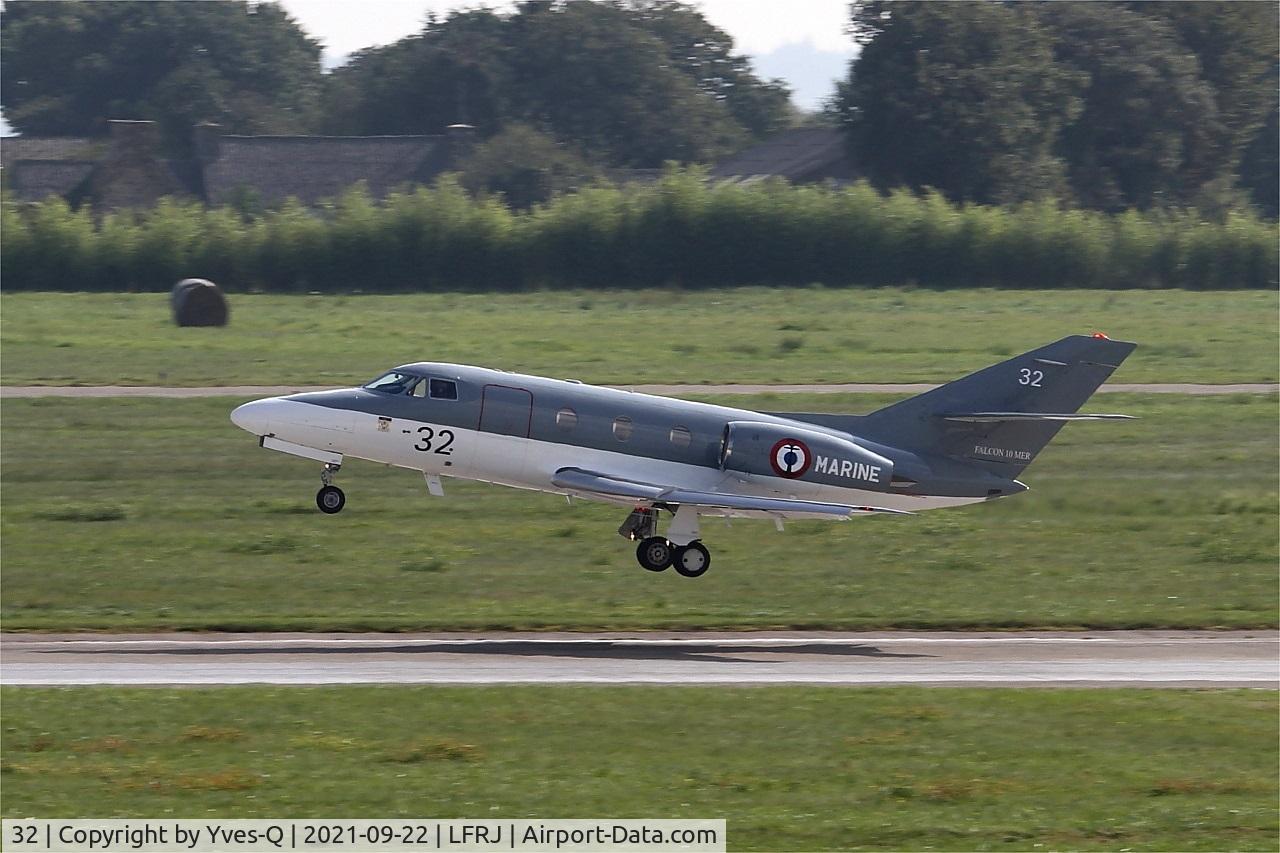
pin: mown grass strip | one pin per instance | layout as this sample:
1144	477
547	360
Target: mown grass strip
789	768
159	514
750	335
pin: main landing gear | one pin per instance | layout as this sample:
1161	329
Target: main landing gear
658	553
692	560
330	498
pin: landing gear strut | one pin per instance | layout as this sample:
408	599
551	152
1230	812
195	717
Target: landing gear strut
330	498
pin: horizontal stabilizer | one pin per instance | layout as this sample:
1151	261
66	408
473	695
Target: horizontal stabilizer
578	480
989	417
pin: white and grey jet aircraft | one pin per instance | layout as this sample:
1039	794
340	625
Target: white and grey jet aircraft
962	443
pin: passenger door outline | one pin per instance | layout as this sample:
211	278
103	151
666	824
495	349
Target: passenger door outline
506	410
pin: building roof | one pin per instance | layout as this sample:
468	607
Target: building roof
801	155
35	180
312	168
15	148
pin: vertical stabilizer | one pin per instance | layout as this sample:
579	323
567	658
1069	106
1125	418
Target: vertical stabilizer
1003	415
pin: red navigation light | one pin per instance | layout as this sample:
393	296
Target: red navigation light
1101	336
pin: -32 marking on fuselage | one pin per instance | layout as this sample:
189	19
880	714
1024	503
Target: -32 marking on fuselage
427	434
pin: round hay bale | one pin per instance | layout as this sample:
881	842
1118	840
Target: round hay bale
197	302
182	287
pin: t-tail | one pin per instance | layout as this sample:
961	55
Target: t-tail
1002	416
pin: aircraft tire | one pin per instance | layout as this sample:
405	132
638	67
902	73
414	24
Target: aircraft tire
330	499
692	560
654	554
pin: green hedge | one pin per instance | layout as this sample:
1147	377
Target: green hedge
682	231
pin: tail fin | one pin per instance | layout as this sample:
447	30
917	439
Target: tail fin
1002	416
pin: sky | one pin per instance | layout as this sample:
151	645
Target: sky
801	41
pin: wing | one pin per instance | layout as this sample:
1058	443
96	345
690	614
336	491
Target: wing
998	417
607	486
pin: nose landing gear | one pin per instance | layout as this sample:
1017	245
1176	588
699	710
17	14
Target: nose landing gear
330	498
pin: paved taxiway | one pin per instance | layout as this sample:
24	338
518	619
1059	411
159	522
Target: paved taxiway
1102	659
17	391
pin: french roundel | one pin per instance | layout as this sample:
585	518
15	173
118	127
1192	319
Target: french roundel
790	458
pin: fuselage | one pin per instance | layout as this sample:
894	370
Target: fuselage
517	430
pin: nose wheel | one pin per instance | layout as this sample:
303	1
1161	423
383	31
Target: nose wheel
330	498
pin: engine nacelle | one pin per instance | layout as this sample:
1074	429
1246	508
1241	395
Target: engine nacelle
804	455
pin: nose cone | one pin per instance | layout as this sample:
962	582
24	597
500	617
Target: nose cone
255	417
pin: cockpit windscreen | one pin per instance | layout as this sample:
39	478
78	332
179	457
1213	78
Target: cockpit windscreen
394	383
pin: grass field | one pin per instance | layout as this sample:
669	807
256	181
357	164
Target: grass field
752	335
129	514
789	768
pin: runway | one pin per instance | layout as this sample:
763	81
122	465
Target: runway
1199	390
1095	659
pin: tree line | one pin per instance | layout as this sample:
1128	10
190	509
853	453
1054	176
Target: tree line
1107	105
618	84
682	231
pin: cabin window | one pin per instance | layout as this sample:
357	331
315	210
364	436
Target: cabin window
622	428
566	419
681	437
444	389
393	383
